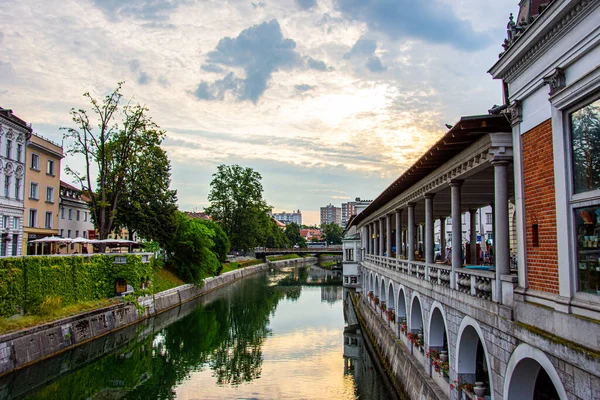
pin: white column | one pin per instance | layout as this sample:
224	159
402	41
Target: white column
368	239
443	238
473	237
456	231
381	235
388	235
398	232
429	247
375	241
411	232
501	234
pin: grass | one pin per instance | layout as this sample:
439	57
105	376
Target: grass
27	321
283	257
165	278
227	267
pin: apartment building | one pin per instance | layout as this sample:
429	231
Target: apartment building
331	213
286	218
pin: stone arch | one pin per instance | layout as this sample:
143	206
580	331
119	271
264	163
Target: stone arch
525	366
390	295
438	327
401	310
376	287
472	358
416	313
382	289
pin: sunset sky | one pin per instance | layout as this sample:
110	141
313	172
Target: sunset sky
327	100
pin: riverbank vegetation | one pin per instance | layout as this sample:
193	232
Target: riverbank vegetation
283	257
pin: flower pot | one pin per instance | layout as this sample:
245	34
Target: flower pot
444	355
479	389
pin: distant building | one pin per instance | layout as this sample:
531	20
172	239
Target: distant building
310	234
286	218
331	213
197	215
42	183
352	208
14	133
75	218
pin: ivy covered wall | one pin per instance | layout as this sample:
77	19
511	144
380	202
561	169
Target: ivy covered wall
25	282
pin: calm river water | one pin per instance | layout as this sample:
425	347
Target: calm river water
275	335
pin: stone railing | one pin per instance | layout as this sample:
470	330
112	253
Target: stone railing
476	283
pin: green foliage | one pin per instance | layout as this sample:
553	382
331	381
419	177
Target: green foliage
237	204
333	233
190	249
221	241
26	283
273	236
292	231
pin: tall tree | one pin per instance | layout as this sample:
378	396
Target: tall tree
111	146
292	231
236	203
333	233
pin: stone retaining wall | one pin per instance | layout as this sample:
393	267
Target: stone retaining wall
411	379
28	346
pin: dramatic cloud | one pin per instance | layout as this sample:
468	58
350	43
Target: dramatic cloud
432	21
363	51
259	50
373	64
306	4
144	78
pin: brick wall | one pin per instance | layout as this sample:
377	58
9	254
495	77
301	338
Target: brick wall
540	208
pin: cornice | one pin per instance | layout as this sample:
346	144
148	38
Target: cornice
555	31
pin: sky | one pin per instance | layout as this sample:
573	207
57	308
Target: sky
328	100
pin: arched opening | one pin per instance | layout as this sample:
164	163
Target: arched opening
391	312
472	360
382	290
416	324
438	343
401	311
530	380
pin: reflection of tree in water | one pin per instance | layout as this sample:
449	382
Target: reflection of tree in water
585	132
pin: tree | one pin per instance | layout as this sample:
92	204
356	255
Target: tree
221	241
273	237
292	231
333	233
190	249
112	147
236	203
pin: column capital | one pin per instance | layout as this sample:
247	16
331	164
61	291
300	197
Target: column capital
501	160
398	210
411	205
429	195
515	111
456	182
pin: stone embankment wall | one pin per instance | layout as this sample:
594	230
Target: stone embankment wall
410	379
28	346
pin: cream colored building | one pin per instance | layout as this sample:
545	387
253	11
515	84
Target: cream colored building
42	191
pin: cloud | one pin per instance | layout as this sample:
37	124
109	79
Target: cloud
431	21
211	68
259	50
373	64
144	78
164	82
149	10
306	4
316	64
134	65
259	4
304	88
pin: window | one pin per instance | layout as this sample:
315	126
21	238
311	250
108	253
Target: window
62	212
489	235
76	233
35	162
16	222
85	216
6	186
8	147
32	218
69	233
5	221
15	244
18	188
50	167
33	191
70	214
19	151
49	194
449	221
85	234
488	218
585	174
77	215
62	232
48	220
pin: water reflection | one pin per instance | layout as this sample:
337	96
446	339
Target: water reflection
257	338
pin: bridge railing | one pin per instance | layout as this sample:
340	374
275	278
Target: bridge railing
476	283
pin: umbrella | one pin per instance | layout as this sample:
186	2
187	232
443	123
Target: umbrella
81	241
52	239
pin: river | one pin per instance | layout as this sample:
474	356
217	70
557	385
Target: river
276	335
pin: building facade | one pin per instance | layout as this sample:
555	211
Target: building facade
14	134
499	332
286	218
352	208
42	188
331	213
75	219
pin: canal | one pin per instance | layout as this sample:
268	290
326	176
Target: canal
275	335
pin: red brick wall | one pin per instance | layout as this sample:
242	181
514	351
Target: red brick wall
540	208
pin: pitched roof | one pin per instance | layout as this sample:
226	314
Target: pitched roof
8	114
197	215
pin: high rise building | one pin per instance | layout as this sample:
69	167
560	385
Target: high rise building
331	213
295	217
352	208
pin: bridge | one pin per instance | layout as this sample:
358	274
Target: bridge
265	251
